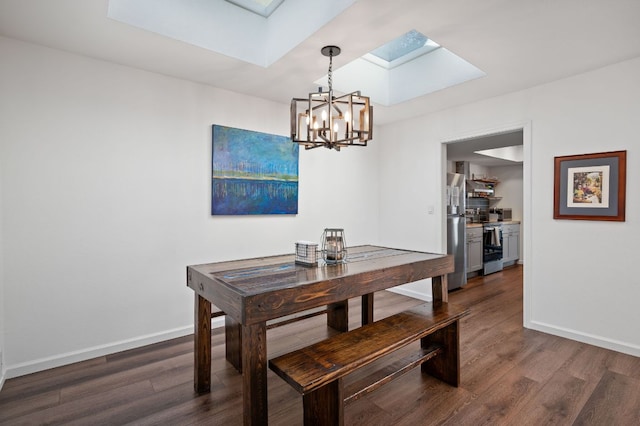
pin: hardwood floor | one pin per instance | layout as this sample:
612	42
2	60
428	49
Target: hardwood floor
509	376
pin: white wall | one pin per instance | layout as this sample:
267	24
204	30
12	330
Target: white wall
480	172
106	200
578	279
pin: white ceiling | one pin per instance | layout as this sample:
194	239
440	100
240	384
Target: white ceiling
466	150
517	43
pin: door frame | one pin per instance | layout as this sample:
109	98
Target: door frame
526	233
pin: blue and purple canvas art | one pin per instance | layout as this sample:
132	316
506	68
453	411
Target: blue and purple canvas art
253	173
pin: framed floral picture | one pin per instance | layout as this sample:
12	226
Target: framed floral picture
590	186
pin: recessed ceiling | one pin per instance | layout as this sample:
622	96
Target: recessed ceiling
254	31
407	67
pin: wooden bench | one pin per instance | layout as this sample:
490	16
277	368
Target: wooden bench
317	371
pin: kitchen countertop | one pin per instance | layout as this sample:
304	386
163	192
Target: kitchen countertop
506	222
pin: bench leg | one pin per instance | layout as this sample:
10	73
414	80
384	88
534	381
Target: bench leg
324	406
445	366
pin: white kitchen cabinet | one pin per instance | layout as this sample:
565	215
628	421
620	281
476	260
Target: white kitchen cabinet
510	243
474	249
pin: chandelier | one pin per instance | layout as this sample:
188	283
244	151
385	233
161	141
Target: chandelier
329	121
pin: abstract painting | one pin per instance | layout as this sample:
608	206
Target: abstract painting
253	173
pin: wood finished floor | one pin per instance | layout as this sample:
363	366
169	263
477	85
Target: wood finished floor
509	375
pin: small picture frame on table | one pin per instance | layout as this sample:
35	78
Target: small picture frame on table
590	186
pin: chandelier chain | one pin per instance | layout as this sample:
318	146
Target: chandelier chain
330	70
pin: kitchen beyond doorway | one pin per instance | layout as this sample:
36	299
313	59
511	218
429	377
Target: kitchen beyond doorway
494	185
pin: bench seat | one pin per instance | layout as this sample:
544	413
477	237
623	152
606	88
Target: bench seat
316	371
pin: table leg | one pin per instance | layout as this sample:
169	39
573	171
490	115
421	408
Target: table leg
233	342
202	345
338	315
367	308
439	289
254	377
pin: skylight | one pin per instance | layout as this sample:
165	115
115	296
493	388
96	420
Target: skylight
401	50
401	46
263	8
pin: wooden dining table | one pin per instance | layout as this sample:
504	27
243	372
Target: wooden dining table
252	292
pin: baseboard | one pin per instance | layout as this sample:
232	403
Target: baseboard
602	342
94	352
411	293
2	379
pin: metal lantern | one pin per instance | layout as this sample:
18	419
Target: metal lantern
307	253
334	246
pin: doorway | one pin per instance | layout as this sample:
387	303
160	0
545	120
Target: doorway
514	184
509	173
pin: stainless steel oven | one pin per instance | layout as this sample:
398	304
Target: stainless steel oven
492	248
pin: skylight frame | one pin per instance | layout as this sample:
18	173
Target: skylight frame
257	6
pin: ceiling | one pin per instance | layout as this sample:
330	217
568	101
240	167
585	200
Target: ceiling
517	43
466	150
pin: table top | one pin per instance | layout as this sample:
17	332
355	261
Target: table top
253	289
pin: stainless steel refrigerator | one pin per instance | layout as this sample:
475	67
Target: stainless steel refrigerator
456	229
